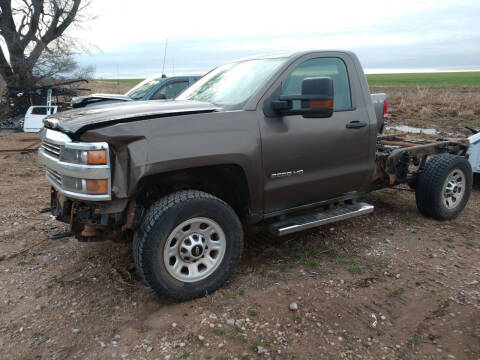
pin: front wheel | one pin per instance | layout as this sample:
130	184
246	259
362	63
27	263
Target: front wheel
443	188
188	245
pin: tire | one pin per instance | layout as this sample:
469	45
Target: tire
444	187
186	268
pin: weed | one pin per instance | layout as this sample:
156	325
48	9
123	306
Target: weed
356	269
222	357
244	357
87	255
377	261
253	312
300	275
347	259
242	339
417	340
324	272
219	331
186	354
144	329
411	221
229	294
398	292
255	345
298	319
21	263
45	337
263	272
313	263
449	240
468	241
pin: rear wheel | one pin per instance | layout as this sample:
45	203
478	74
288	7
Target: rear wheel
443	188
188	245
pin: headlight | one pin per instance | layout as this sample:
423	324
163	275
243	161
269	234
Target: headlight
86	157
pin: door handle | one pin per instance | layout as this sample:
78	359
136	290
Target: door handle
356	124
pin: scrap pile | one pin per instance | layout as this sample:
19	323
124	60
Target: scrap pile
19	100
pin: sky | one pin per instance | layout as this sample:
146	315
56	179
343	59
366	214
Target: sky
127	38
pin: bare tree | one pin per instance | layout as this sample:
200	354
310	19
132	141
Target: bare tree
35	44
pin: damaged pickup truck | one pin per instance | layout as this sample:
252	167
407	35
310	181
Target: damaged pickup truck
291	140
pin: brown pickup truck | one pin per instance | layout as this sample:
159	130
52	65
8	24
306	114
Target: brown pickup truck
291	140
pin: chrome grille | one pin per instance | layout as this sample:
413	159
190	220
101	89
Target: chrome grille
51	148
55	176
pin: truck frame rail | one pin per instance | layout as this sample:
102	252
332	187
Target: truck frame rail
399	160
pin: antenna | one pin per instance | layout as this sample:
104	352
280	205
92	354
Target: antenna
164	57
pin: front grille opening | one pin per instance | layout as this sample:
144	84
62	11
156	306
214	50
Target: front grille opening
51	148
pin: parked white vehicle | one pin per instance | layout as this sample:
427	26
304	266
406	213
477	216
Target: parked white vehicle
34	117
474	153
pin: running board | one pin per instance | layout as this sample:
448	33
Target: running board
311	220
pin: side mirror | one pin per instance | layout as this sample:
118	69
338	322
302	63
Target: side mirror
316	99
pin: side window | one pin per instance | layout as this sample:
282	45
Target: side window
170	90
331	67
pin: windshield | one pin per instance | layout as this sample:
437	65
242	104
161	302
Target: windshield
142	89
231	85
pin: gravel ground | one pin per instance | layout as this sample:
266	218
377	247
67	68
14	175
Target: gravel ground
390	285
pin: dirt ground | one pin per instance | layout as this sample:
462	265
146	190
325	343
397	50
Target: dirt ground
62	299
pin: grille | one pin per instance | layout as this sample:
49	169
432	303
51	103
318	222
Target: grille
54	176
51	148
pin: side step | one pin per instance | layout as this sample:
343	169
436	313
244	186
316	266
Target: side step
311	220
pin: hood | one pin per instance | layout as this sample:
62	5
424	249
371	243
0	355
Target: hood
80	101
76	120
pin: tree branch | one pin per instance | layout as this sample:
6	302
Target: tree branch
55	30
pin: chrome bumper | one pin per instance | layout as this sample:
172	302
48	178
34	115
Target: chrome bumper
69	178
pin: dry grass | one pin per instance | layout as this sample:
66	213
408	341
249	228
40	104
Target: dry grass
108	87
446	109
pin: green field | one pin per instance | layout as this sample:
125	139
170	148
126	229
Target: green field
132	82
470	78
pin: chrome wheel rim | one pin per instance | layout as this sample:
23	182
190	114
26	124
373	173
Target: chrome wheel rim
194	249
454	189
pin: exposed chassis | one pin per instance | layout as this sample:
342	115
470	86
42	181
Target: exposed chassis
400	161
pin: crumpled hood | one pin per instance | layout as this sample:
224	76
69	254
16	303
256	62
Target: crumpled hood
82	119
80	101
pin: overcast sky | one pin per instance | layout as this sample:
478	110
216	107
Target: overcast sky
388	36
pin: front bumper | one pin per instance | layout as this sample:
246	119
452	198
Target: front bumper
70	178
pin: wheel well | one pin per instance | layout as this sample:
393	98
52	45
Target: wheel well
227	182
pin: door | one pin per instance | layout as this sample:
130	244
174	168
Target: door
307	160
